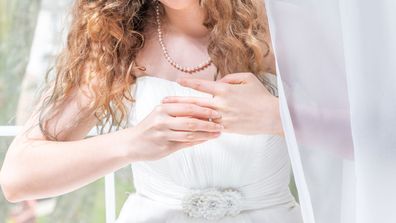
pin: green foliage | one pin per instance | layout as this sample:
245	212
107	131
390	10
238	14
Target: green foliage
17	23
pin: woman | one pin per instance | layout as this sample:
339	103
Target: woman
205	151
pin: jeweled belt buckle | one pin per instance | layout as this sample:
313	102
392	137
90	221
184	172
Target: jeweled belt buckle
212	203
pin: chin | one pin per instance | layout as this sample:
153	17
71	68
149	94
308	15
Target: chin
178	4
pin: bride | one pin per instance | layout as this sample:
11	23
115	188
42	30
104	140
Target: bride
186	84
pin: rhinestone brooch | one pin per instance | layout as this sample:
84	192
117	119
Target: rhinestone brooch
212	204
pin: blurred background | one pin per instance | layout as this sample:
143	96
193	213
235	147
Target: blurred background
31	34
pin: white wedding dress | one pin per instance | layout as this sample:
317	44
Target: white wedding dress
232	179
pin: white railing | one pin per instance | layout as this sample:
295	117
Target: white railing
110	200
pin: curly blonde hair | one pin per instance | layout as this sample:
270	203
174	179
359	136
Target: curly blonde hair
106	35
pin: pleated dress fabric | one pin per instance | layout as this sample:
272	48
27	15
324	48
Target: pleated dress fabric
256	166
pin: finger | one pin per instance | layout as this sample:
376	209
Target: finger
194	125
237	78
203	102
188	144
191	110
191	137
216	120
210	87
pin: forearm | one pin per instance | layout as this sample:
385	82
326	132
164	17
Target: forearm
39	169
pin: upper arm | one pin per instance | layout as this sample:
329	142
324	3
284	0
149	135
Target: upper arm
72	121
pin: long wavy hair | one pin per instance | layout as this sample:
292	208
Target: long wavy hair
106	35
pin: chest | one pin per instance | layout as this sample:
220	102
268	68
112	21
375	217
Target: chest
184	51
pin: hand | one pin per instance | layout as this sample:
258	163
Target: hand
170	127
246	106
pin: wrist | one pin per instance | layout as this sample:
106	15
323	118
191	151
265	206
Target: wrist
127	142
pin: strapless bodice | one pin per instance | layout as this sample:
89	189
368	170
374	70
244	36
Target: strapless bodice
247	172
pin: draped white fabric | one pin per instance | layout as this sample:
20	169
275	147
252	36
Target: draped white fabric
336	60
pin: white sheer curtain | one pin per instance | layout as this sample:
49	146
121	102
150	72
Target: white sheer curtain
337	66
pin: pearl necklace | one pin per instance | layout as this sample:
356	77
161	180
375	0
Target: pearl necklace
189	70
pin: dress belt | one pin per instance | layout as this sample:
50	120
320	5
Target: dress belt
214	203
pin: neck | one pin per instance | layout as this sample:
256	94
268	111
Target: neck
188	21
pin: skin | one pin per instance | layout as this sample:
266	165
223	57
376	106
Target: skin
238	114
53	168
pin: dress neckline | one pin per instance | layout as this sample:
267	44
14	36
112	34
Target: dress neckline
169	84
156	78
159	79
